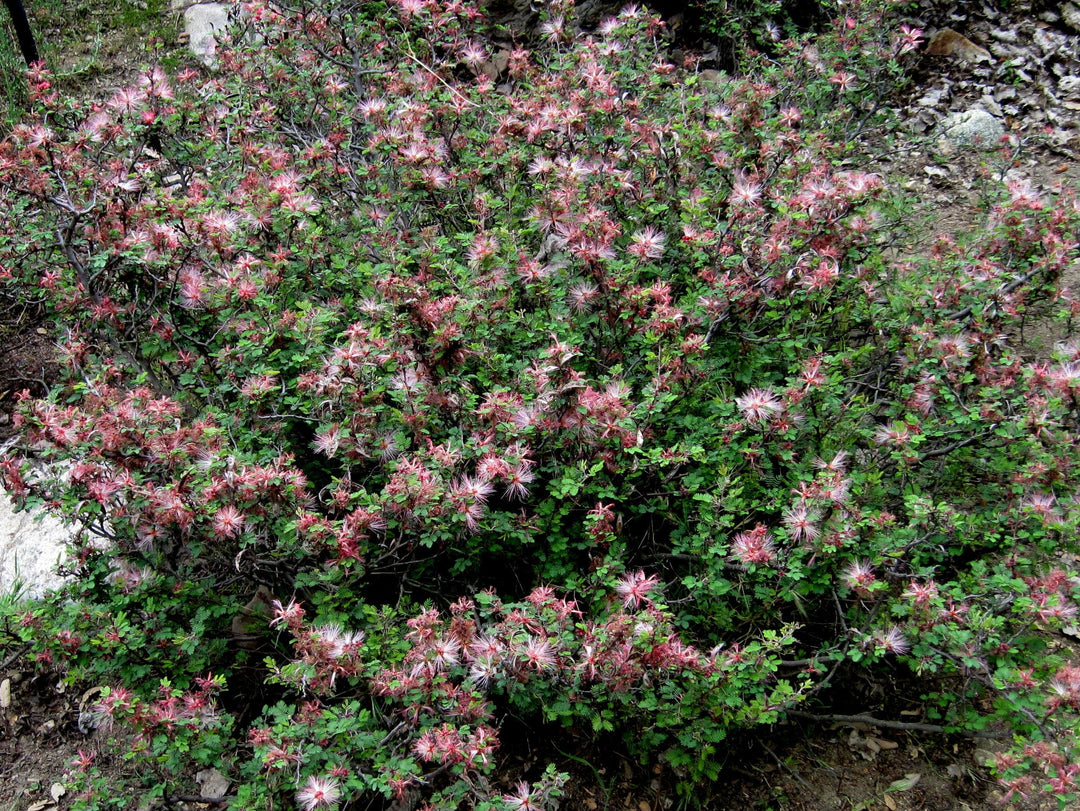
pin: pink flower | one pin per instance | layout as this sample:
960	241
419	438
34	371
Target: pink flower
582	295
898	434
426	747
922	593
745	194
291	614
910	39
522	799
473	55
483	248
648	244
319	792
228	522
891	640
790	116
483	670
634	588
518	481
859	576
327	442
838	464
755	546
444	653
473	488
757	405
553	29
539	654
802	523
843	80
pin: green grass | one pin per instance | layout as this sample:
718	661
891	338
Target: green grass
12	85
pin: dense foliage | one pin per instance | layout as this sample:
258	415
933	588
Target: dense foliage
555	380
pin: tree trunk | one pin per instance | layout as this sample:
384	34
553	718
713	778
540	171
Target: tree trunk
22	31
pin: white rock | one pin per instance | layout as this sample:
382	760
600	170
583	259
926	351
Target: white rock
204	23
31	546
972	128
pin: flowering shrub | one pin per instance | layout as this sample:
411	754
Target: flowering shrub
540	657
378	318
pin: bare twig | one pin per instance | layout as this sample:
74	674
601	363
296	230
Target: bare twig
912	726
440	80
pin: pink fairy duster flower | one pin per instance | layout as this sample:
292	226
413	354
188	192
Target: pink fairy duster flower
838	464
128	99
745	193
891	640
486	652
553	29
859	577
582	295
426	747
898	434
220	223
922	396
634	588
542	165
473	55
802	523
538	653
839	491
1042	505
290	614
757	405
843	80
444	653
755	546
327	442
909	39
228	522
484	247
518	481
472	487
921	593
790	116
648	244
319	792
483	670
522	799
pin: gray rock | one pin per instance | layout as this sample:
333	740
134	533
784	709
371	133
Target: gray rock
212	783
934	97
1069	85
1003	51
1061	138
972	128
989	103
1071	15
1048	42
